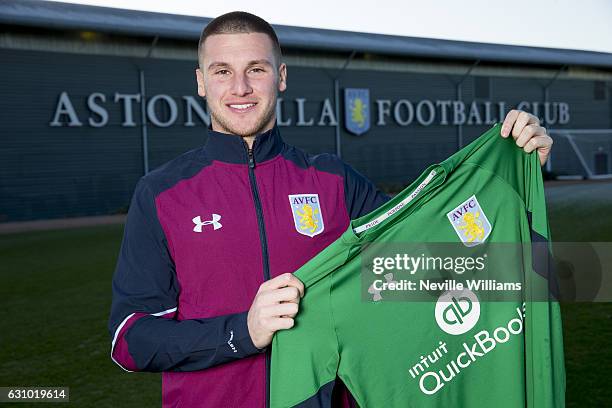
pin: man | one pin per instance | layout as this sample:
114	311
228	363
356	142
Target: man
203	279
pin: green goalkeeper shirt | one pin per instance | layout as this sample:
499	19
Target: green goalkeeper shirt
455	349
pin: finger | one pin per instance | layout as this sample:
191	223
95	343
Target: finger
286	279
280	309
275	296
509	122
522	120
277	282
298	284
292	312
281	323
528	132
538	142
287	294
294	300
294	308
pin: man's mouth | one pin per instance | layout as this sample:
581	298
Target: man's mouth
241	108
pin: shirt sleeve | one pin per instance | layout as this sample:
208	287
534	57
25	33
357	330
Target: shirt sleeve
362	196
145	333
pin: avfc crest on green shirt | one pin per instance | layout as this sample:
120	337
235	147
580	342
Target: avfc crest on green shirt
307	216
357	110
470	222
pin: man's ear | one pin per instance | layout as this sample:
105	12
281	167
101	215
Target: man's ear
200	80
282	77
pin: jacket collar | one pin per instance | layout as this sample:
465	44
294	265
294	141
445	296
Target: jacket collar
232	148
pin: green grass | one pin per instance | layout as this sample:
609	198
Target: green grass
581	213
55	291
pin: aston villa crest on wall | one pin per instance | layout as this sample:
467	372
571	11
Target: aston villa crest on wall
357	110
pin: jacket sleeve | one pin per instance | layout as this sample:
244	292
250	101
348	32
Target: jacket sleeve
146	336
362	196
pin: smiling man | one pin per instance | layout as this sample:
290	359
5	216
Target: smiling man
240	75
203	279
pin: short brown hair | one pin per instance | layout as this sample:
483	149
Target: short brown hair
239	22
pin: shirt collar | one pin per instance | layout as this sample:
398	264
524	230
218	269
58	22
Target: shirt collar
231	148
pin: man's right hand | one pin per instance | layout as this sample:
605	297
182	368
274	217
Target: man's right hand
274	307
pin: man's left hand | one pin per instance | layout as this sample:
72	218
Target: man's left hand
526	130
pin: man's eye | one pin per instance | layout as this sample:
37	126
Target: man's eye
222	72
257	70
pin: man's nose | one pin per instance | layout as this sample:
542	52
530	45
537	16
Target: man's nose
240	85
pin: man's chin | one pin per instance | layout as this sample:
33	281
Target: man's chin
245	130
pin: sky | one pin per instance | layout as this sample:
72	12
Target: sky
572	24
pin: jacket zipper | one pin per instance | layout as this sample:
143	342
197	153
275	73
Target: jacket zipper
264	246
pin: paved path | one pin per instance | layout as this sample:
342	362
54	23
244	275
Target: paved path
62	223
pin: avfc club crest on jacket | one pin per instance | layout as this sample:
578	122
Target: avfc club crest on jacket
470	222
357	110
307	216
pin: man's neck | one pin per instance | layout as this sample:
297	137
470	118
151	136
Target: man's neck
249	141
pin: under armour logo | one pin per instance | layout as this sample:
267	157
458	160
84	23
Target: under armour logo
199	223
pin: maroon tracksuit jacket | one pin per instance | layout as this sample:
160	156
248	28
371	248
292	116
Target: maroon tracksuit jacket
203	232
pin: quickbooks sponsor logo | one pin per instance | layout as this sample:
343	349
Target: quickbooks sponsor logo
485	341
457	311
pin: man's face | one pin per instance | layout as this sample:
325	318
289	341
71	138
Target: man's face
240	80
